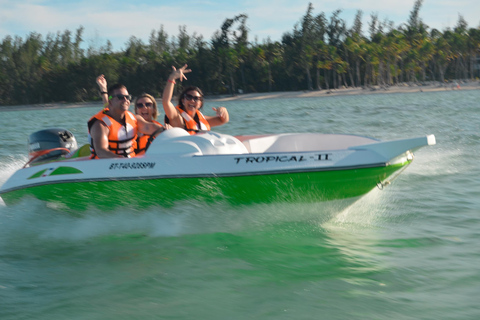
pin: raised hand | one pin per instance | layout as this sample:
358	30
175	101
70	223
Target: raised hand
179	73
102	83
222	113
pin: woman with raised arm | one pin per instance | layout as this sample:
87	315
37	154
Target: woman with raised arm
187	113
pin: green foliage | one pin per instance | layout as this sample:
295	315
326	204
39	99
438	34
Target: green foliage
318	53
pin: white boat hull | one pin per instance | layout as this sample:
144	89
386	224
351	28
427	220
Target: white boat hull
212	166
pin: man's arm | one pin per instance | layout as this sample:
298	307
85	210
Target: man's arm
102	86
99	133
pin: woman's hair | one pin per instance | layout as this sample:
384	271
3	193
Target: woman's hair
155	109
187	89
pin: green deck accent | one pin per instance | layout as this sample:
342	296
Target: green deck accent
83	151
56	172
288	187
38	174
65	170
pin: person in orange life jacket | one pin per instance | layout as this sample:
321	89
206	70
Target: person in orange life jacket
187	114
113	130
145	105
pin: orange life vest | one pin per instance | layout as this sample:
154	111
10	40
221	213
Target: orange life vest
144	141
193	125
121	137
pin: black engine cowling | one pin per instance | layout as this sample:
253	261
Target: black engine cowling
50	144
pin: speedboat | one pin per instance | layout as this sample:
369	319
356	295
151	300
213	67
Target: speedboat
210	167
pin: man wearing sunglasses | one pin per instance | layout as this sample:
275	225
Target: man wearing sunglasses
187	114
113	131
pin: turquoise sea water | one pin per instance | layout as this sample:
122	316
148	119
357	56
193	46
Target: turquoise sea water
410	251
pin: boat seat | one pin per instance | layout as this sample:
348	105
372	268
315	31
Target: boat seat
295	142
178	141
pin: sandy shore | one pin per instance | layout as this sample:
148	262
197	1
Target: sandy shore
405	88
471	85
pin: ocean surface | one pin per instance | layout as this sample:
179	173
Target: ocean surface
409	251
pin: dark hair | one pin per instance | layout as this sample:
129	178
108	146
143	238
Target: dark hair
115	87
187	89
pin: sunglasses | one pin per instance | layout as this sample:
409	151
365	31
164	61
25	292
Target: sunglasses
189	97
146	105
122	96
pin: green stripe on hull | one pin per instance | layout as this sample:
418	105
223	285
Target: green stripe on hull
288	187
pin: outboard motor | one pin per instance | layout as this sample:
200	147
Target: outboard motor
50	144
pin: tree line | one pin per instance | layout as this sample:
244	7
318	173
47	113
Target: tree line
319	53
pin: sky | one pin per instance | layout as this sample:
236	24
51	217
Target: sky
118	20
